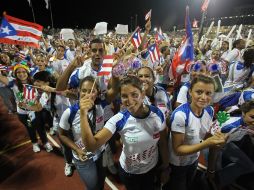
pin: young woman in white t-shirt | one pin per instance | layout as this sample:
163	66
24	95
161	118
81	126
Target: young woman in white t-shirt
190	123
88	164
141	127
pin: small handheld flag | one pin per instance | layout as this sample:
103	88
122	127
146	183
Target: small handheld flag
136	39
148	15
107	65
154	52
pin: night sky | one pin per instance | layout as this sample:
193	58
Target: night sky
85	14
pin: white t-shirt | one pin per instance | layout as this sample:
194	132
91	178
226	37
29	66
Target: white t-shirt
140	138
76	130
59	65
234	55
182	96
45	101
194	128
237	75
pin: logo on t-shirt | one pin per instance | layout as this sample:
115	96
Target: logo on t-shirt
156	135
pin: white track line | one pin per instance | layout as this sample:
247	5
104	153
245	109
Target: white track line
110	184
14	147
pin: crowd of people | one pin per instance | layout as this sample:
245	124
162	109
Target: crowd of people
162	125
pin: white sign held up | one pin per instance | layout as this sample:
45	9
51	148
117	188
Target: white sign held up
100	28
121	29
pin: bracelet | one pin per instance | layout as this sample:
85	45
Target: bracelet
211	171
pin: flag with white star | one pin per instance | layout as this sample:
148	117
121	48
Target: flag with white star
136	39
154	52
6	29
20	32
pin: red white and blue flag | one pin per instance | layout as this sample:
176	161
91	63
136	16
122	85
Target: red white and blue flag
205	5
107	66
154	52
3	67
185	54
148	15
20	32
28	92
136	39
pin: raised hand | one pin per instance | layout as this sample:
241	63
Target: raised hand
86	103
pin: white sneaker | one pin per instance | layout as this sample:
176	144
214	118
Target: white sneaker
36	147
48	147
68	169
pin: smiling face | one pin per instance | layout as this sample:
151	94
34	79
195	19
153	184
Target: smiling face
201	95
248	118
145	75
132	98
22	74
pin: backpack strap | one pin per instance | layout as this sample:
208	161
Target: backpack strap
74	109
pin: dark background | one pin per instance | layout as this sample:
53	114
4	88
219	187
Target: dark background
85	14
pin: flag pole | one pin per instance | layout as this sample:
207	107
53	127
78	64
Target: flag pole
32	10
52	24
201	28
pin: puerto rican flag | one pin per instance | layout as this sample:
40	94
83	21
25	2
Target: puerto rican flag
3	67
107	65
136	38
20	32
28	92
185	54
159	37
148	15
154	52
205	5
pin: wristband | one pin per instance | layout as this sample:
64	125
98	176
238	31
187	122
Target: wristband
211	171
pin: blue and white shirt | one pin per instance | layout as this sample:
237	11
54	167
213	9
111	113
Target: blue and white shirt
236	129
76	130
246	95
140	137
194	128
84	71
161	100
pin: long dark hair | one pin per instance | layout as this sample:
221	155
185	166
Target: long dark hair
45	76
248	57
19	82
